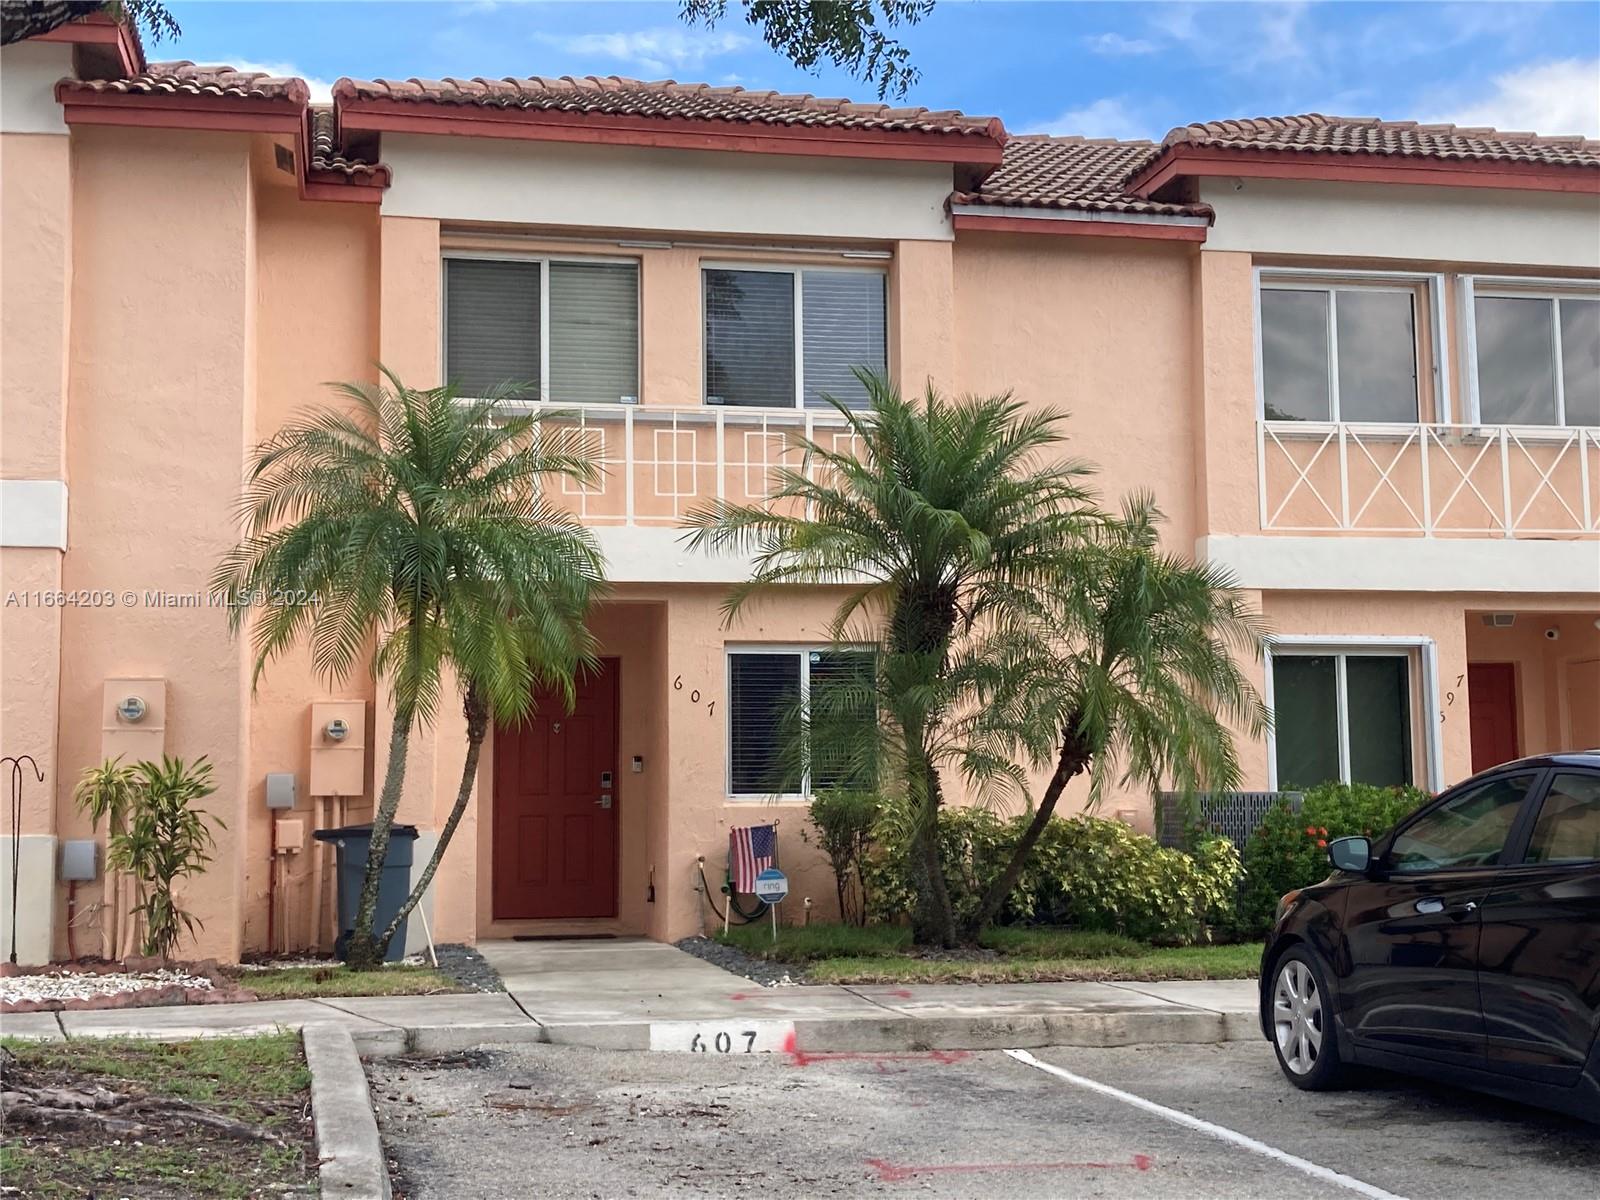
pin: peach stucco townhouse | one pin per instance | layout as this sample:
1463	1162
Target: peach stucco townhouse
1357	361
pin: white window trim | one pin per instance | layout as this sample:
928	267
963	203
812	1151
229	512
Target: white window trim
1518	288
1329	280
543	262
804	651
795	270
1345	644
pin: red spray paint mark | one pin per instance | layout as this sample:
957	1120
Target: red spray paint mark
889	1172
803	1058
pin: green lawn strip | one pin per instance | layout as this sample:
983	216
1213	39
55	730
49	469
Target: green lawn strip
259	1080
1156	963
808	943
307	983
884	954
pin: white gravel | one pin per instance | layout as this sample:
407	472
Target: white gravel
74	985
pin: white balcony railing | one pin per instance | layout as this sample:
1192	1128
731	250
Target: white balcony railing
1435	480
658	463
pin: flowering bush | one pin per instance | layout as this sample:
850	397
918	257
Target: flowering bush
1290	850
1085	872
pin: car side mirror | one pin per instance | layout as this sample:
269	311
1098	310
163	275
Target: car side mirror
1350	854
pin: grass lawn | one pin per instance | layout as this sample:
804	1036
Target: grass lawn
884	954
260	1081
305	983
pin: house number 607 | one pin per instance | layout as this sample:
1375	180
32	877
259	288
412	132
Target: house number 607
694	695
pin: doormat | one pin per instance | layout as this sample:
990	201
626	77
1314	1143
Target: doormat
561	937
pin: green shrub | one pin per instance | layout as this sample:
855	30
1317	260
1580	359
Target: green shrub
1290	850
844	823
1084	873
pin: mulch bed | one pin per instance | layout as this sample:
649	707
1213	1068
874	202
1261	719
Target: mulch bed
731	958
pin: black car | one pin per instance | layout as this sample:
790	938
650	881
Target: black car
1463	945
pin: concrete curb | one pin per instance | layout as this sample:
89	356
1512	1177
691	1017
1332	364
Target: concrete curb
352	1165
890	1034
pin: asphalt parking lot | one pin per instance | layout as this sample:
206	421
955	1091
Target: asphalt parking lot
562	1122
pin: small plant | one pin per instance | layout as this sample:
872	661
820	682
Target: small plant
844	821
157	835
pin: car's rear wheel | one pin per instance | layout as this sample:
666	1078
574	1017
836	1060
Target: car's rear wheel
1303	1033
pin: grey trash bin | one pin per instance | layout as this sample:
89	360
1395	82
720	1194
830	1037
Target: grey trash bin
350	844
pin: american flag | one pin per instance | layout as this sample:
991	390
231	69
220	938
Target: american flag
751	850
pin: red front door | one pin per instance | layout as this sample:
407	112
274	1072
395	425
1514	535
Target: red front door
1492	714
555	806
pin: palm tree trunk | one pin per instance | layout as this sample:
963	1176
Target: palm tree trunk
477	727
363	953
1070	764
933	920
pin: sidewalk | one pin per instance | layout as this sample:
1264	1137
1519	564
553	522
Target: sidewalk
639	995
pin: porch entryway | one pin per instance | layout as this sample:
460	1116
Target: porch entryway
555	810
1533	683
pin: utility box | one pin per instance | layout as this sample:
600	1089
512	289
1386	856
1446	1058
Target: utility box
78	860
280	789
133	723
338	748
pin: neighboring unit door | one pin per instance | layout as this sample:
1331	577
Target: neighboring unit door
555	806
1539	957
1413	928
1492	714
1583	705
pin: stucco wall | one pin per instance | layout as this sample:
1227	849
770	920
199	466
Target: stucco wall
1545	669
159	408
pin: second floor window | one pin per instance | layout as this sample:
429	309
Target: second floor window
567	330
1538	359
1332	353
786	337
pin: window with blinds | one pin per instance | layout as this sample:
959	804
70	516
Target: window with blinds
845	327
491	314
762	326
594	332
495	310
800	721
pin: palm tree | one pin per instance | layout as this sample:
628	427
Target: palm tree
416	522
1135	670
952	514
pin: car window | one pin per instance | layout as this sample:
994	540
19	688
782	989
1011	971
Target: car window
1568	828
1468	830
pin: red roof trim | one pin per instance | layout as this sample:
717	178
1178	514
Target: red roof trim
678	133
974	223
1181	161
223	114
97	29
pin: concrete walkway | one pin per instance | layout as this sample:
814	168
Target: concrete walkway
632	994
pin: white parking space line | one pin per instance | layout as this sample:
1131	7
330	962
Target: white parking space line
1206	1127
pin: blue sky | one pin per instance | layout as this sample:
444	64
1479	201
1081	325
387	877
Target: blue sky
1106	70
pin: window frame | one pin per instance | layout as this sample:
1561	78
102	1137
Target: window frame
1424	696
543	261
804	650
1516	287
796	270
1429	307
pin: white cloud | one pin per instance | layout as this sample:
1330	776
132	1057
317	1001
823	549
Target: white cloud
1108	117
1549	98
667	49
1114	45
321	89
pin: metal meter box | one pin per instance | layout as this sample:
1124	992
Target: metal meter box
280	789
78	860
